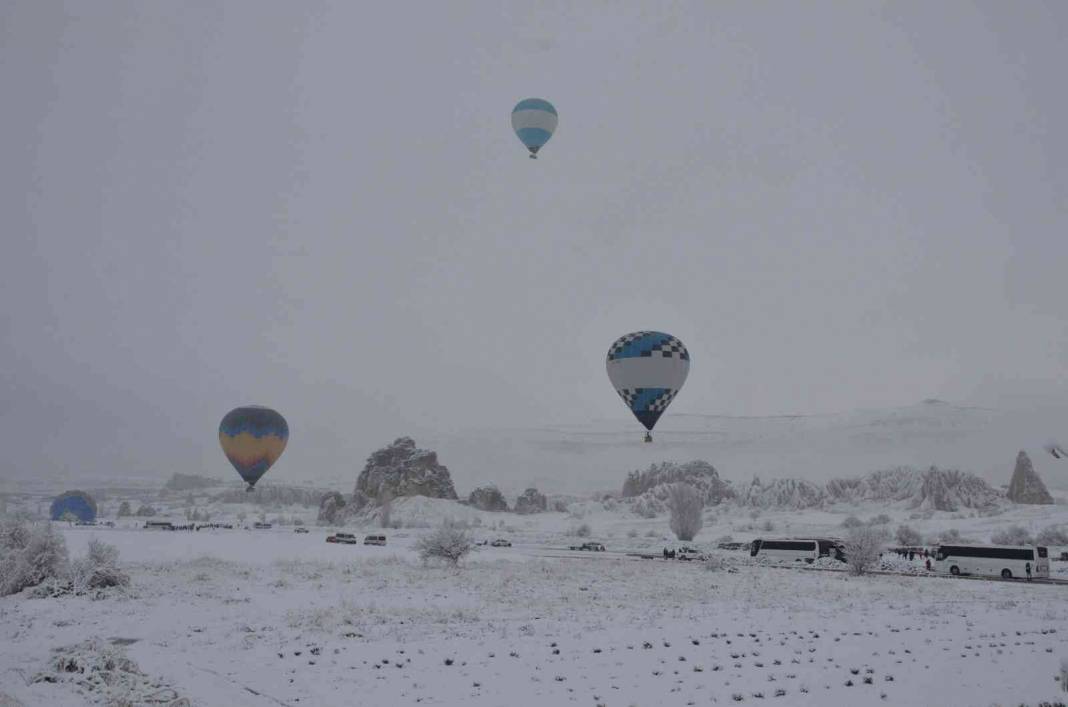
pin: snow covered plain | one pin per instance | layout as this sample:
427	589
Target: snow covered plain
273	617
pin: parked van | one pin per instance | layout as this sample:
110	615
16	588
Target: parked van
374	540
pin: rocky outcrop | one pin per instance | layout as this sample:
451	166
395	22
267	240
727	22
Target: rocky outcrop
657	479
781	493
933	489
330	508
401	469
487	498
1026	486
531	502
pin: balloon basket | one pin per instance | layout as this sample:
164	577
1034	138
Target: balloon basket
250	489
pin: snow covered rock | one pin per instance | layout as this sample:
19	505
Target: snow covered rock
1026	486
330	507
531	501
488	498
933	489
401	469
657	479
782	493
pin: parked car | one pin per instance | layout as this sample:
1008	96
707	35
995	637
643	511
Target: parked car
300	529
343	538
689	553
374	540
592	547
262	526
501	542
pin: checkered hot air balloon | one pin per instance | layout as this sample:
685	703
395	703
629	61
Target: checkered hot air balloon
253	438
534	121
647	369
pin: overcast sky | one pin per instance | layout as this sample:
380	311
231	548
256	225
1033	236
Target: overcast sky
321	207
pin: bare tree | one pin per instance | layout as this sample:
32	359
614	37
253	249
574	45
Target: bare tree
908	536
862	547
1013	535
448	543
686	506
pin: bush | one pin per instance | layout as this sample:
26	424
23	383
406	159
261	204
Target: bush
862	547
447	543
852	522
686	507
632	533
29	555
1013	535
881	519
580	531
1053	535
908	536
951	535
99	569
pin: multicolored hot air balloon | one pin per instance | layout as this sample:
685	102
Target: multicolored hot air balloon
647	369
534	121
253	438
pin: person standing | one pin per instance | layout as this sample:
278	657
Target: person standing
1027	568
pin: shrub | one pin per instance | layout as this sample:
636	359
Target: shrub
99	569
852	522
632	533
580	531
29	555
862	547
686	507
881	519
1013	535
1053	535
447	543
907	535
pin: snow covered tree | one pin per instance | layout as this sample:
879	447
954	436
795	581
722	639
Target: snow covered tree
686	506
908	536
29	555
124	510
1053	535
98	569
852	522
385	510
1013	535
862	546
448	543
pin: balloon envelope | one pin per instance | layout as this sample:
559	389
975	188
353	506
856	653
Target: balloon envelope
647	369
534	121
253	438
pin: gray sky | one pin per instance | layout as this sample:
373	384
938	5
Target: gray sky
321	207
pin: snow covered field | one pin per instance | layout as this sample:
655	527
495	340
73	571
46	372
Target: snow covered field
272	617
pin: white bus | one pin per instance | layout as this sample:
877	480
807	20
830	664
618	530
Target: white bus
1005	561
785	550
796	549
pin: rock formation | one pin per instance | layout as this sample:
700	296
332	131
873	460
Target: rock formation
401	469
1026	486
531	502
488	498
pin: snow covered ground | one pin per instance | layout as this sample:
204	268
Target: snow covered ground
273	617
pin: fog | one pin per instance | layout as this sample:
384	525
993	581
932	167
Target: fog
321	207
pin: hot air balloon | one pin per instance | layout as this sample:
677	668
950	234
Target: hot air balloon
253	438
534	121
647	369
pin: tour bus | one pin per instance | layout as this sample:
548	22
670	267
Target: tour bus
1005	561
796	550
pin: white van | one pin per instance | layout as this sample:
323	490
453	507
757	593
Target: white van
1005	561
786	550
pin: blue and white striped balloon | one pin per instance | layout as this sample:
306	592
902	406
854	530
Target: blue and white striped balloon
534	121
647	369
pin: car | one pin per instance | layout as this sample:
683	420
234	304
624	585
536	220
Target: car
501	542
301	530
689	553
592	547
262	526
342	538
374	540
